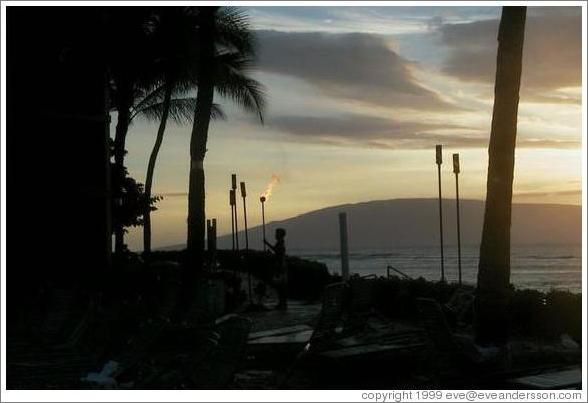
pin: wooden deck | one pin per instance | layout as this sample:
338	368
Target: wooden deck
278	338
565	378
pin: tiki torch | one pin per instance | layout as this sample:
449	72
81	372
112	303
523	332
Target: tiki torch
244	195
456	172
439	161
232	203
234	188
262	200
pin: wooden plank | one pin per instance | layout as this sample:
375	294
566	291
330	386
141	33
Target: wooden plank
290	338
280	331
367	349
551	380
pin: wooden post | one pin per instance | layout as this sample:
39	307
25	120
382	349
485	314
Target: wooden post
344	245
208	234
214	234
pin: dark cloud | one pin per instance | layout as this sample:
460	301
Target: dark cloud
375	132
552	54
577	192
352	126
367	131
354	66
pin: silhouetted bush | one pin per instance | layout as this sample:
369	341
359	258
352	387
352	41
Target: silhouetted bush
306	279
534	314
547	315
396	297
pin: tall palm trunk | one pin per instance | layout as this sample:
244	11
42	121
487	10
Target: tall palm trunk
493	291
151	169
122	127
204	100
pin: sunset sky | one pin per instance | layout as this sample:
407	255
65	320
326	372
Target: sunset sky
357	99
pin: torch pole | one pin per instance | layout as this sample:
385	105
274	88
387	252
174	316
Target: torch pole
439	161
262	199
456	171
244	195
232	219
234	186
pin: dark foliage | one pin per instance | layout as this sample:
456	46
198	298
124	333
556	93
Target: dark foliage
306	279
547	315
533	314
128	209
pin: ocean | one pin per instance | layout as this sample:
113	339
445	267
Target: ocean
541	267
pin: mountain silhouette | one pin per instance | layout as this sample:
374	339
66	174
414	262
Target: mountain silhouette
415	222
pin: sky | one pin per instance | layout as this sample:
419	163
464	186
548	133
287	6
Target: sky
357	99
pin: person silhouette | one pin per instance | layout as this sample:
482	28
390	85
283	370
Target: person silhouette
281	270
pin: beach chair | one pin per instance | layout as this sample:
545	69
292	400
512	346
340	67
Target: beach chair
330	322
329	325
359	305
455	353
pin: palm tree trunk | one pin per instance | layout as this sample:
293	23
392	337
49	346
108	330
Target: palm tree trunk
198	140
493	291
122	127
151	169
196	192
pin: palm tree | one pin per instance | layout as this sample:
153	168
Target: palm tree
127	62
494	265
172	31
225	53
140	78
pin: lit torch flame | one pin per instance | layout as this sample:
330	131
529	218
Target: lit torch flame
275	179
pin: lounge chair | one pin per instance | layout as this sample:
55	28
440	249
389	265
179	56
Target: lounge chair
328	326
455	354
359	304
342	339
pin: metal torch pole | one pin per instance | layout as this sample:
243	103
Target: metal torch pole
439	161
456	172
234	186
244	195
231	196
262	199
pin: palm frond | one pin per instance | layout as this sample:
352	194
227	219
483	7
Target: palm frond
234	31
217	113
147	98
181	111
244	91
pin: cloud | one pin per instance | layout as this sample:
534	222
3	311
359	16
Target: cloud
363	130
552	54
353	66
542	193
173	194
376	132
